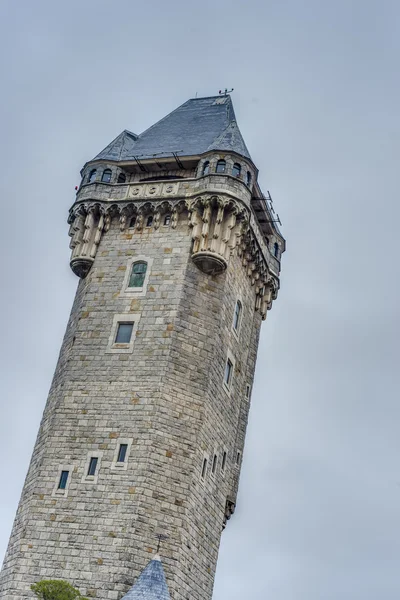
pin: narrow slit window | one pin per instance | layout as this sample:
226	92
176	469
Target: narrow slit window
206	167
138	275
238	458
248	391
149	222
223	464
237	315
204	469
121	178
124	333
92	175
248	178
106	177
214	464
228	372
122	453
276	250
236	169
167	219
221	166
92	466
62	484
132	222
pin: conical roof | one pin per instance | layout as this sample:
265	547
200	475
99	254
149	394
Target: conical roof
151	583
199	125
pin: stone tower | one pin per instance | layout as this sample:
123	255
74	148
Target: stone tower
178	259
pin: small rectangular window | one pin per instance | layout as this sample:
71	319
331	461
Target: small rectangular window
124	333
238	458
247	391
92	466
214	465
62	484
223	464
204	469
228	372
122	453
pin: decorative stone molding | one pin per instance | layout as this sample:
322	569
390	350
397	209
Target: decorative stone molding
218	225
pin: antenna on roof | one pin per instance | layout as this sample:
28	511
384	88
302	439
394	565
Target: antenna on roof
225	92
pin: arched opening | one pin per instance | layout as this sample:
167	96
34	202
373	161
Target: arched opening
106	177
138	273
167	219
276	250
237	315
92	175
248	178
149	221
206	167
121	178
221	166
132	222
236	169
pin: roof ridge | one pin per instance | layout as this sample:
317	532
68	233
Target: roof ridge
163	119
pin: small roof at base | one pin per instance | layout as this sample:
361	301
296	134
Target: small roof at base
151	583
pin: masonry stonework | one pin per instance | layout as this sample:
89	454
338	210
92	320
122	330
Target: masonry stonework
163	397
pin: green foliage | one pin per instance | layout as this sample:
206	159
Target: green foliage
56	589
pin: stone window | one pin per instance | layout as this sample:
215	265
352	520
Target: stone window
248	178
238	456
121	178
204	468
276	250
206	168
62	484
223	463
132	222
214	464
228	372
149	221
124	333
92	466
167	219
236	170
138	275
63	480
248	390
122	451
221	166
92	175
106	177
237	316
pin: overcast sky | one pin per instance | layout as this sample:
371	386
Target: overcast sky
317	100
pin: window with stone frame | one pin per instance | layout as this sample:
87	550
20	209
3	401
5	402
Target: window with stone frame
106	177
124	333
206	168
237	316
138	274
236	170
221	166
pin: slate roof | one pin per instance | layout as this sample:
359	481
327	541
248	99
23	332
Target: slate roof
151	583
198	125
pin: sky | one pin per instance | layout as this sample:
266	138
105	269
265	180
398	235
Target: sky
316	95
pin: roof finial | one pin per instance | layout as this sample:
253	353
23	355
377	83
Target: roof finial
225	92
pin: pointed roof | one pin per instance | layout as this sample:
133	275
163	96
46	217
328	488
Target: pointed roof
151	583
198	125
